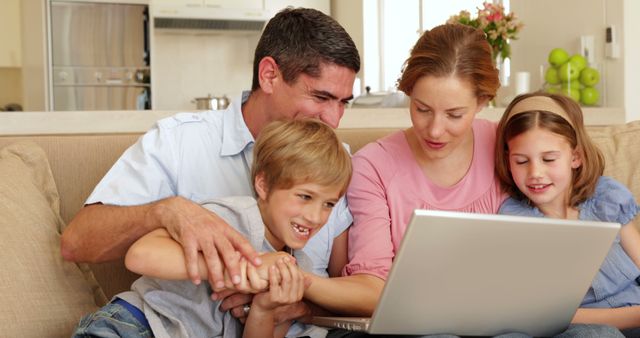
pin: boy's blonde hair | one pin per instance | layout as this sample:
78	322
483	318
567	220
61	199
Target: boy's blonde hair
300	151
561	116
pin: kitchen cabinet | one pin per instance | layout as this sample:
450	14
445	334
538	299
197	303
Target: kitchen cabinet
227	4
10	44
273	6
240	4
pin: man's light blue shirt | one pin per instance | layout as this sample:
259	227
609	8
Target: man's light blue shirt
200	156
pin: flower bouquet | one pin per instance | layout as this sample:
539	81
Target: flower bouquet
498	27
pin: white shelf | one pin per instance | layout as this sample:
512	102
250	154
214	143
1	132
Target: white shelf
96	122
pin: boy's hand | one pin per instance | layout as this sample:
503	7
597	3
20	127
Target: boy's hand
253	280
286	286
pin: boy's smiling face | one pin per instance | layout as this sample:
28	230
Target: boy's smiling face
291	216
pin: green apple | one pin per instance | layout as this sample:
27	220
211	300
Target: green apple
551	76
572	84
558	56
553	90
589	96
568	72
578	61
573	93
589	77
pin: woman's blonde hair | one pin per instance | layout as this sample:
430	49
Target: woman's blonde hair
511	125
300	151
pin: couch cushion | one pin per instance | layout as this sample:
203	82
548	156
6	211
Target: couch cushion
620	145
42	295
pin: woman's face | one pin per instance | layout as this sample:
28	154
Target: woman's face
442	112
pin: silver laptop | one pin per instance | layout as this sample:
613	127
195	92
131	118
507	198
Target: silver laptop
477	274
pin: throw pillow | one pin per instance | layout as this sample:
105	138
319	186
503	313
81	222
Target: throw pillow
42	295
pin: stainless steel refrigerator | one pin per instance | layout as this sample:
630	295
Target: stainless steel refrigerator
100	56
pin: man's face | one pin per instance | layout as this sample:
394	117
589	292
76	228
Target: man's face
322	97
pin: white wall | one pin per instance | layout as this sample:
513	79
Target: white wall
631	47
350	15
194	63
189	64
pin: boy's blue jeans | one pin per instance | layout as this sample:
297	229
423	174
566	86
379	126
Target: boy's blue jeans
112	320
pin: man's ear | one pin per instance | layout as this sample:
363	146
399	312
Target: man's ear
268	72
576	159
260	185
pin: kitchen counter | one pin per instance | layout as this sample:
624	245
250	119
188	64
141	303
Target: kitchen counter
91	122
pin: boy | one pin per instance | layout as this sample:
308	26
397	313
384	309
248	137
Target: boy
300	170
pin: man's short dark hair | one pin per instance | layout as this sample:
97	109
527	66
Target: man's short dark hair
300	40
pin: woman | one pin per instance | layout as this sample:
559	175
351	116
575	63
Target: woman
444	161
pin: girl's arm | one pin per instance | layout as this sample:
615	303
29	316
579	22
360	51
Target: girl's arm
158	255
622	317
630	241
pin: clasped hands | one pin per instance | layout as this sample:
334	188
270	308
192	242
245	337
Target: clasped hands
276	285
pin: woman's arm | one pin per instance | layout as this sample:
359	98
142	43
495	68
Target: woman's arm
338	258
354	295
622	317
370	247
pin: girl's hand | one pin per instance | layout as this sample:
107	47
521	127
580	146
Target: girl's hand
286	286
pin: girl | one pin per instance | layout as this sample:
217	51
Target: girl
550	167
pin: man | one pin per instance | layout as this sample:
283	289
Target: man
304	66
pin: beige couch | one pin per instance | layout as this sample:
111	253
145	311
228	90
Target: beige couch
45	181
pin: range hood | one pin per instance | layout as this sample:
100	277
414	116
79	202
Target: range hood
176	16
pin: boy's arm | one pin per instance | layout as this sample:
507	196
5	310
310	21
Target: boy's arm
104	232
622	318
158	255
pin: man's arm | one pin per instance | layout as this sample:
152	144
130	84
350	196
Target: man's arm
100	233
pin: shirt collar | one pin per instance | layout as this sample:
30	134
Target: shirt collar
236	136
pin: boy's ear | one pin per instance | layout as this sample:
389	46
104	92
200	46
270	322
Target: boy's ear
576	159
268	73
260	185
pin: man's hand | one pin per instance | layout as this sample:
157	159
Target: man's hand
198	229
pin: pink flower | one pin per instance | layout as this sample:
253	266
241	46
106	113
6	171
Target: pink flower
498	27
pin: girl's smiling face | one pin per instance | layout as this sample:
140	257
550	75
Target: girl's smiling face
541	164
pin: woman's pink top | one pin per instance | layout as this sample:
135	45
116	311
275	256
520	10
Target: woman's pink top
388	184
